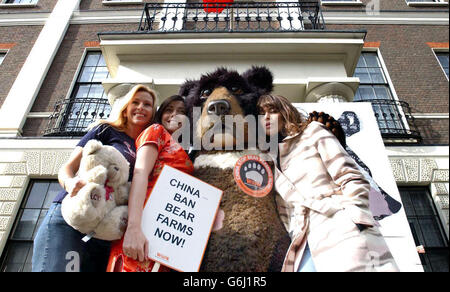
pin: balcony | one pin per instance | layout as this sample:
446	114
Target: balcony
231	17
395	121
72	116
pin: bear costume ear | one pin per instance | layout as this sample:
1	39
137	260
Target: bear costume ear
260	79
91	147
186	87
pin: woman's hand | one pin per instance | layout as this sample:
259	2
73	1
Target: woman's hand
73	185
135	244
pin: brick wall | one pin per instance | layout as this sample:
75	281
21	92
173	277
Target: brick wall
414	70
18	41
63	70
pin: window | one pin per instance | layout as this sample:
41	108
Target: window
19	248
88	100
19	1
350	2
394	117
2	57
443	60
117	2
374	88
426	2
426	228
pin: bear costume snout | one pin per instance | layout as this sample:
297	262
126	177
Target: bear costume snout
248	234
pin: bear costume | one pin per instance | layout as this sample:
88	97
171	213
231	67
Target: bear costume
100	209
249	235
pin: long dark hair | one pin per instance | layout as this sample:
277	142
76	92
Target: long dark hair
164	105
293	121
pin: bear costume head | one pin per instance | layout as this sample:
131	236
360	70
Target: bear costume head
223	93
249	236
100	209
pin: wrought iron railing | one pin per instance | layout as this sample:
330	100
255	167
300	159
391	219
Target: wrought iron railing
72	116
231	17
395	120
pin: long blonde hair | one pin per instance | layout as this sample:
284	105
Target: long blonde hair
117	119
294	123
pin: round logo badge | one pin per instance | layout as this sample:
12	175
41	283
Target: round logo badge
253	176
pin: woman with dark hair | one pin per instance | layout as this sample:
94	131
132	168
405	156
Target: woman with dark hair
168	111
325	204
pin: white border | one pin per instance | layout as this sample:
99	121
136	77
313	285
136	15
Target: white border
425	3
118	2
342	3
17	5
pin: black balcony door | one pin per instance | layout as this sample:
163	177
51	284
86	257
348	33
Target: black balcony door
88	100
426	228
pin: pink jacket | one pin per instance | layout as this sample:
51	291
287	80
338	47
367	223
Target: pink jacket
323	198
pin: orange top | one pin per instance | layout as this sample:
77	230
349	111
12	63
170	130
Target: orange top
169	152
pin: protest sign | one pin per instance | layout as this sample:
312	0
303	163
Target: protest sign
178	218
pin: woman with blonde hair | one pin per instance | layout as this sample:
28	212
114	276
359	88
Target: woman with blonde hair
155	148
325	198
57	246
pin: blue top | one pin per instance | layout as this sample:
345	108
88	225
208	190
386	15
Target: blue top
108	135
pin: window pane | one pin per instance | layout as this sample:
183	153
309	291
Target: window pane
431	232
361	62
92	59
16	256
372	60
363	75
382	92
438	259
422	205
27	223
102	61
40	219
101	73
82	91
366	92
53	190
376	75
37	195
87	74
443	59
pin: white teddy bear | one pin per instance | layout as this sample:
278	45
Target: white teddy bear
100	209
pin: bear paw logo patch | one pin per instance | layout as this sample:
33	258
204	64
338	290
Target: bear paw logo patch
253	176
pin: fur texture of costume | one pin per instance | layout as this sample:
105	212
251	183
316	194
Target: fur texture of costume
252	238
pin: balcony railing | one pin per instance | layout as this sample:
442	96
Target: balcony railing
71	117
395	121
231	17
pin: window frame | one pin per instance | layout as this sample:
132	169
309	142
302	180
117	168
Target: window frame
121	2
70	97
5	53
342	2
436	215
4	4
436	51
11	241
426	3
389	83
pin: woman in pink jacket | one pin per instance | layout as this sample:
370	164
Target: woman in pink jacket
325	198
